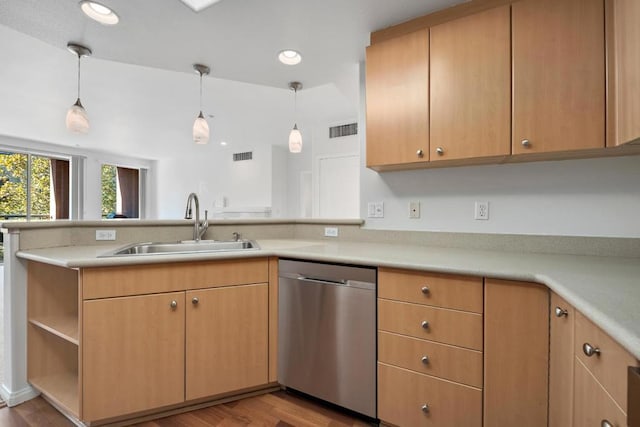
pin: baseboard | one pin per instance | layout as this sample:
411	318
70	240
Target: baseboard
13	398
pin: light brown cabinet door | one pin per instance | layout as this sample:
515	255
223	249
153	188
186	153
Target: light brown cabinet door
132	354
558	75
593	404
516	353
470	68
397	90
561	362
227	339
625	70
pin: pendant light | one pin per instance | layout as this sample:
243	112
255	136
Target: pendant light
295	137
77	120
200	126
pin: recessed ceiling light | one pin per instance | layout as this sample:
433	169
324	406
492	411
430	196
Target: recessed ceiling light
223	143
198	5
289	57
99	12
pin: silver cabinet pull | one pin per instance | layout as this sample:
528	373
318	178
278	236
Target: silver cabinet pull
425	408
425	324
590	350
425	360
440	151
561	312
420	153
605	423
526	143
425	290
173	304
195	300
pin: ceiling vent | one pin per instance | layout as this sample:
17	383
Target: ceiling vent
247	155
343	130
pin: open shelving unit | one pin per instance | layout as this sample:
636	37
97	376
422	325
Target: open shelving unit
53	334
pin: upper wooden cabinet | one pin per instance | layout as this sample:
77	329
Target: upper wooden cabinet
470	66
398	100
624	71
558	75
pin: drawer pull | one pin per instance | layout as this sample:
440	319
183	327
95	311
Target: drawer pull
590	350
605	423
526	143
425	408
425	290
425	360
420	153
195	300
425	324
173	304
440	151
561	312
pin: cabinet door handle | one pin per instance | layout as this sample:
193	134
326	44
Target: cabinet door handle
605	423
425	408
420	153
425	324
425	360
440	151
195	300
526	143
173	304
561	312
425	290
590	350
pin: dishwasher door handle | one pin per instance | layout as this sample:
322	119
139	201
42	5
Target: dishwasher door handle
322	281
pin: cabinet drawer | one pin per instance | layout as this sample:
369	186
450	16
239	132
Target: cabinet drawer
106	282
592	403
444	361
446	326
402	395
442	290
610	365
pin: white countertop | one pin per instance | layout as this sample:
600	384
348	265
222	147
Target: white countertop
604	289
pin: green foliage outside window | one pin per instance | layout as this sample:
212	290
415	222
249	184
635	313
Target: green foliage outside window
109	190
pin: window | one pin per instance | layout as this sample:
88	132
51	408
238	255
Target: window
120	192
32	187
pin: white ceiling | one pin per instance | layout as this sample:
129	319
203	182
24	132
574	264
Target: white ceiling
141	92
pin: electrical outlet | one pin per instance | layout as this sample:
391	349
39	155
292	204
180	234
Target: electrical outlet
375	210
414	210
482	210
105	234
331	231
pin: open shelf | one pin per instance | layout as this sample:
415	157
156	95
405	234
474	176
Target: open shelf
61	388
65	327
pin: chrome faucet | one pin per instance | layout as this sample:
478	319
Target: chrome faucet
198	227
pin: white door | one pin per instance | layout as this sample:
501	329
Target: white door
339	186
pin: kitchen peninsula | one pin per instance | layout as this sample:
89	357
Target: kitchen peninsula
596	277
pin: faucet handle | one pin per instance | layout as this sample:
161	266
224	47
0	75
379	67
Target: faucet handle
206	216
236	236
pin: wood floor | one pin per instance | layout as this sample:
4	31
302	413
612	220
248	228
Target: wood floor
279	409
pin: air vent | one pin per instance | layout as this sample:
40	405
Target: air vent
343	130
247	155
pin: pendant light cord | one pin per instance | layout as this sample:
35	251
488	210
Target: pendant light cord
79	76
295	106
200	92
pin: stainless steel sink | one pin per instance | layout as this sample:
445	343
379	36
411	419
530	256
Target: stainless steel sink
187	247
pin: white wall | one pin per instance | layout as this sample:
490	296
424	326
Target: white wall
595	197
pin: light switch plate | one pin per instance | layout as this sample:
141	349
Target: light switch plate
105	234
414	210
375	210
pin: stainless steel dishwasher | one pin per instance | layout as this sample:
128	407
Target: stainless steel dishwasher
327	332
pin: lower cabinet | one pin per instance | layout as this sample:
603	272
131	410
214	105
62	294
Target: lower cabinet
133	354
111	343
226	342
593	405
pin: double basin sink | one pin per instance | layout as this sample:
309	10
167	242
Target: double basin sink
185	247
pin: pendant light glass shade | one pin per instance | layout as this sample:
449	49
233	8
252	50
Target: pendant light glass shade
295	140
200	130
295	137
200	125
77	120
